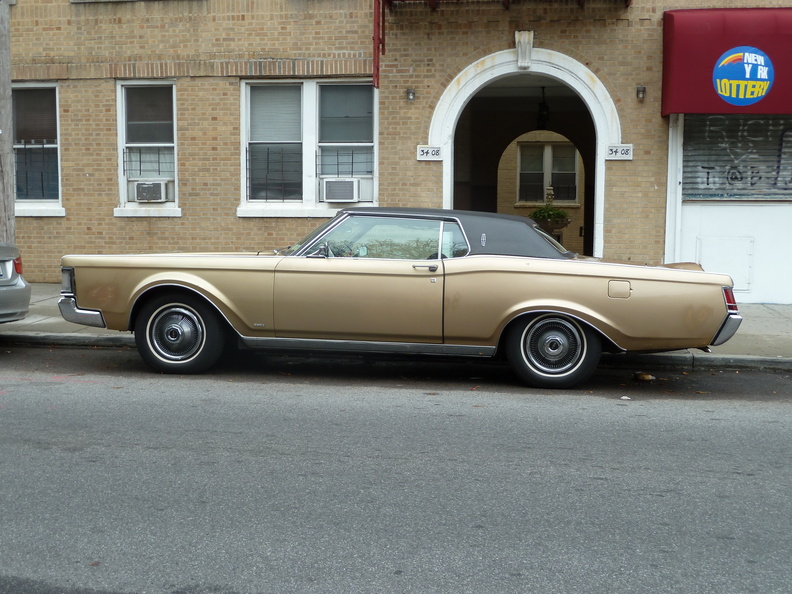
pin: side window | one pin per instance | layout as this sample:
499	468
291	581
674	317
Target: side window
454	243
148	143
384	238
35	118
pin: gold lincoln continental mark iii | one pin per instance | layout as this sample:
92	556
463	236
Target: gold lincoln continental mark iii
403	280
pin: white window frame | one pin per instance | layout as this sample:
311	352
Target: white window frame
43	208
311	204
127	208
547	171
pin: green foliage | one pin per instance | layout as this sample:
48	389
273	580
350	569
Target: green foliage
549	213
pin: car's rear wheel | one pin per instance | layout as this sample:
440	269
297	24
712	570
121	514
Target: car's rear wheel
179	333
553	351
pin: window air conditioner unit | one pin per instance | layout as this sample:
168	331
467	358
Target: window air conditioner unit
151	191
341	189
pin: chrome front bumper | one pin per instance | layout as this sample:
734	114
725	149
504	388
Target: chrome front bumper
67	305
728	329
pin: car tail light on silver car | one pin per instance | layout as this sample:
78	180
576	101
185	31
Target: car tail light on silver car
18	265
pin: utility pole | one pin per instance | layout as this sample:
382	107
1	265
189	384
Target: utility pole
7	222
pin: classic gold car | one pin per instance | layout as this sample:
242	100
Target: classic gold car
397	280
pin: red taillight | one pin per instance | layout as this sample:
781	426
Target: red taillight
18	265
731	302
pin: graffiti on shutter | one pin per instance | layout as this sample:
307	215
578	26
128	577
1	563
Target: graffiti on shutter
737	157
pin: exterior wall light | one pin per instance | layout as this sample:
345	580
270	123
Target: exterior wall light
640	93
410	94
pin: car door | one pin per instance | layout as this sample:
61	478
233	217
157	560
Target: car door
371	278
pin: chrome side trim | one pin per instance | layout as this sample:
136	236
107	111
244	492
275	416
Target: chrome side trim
360	346
727	330
67	305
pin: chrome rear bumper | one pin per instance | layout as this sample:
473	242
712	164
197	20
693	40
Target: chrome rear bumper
67	305
727	330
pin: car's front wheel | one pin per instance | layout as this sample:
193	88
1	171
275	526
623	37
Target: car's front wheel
179	333
553	351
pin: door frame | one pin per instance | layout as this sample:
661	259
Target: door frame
545	62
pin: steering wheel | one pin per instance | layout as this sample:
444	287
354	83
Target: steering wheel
340	249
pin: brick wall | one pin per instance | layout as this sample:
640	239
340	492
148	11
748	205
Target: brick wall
207	47
622	47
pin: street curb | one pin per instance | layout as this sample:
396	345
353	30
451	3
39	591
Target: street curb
705	361
685	360
44	339
695	361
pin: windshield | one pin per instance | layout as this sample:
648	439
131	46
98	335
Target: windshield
292	249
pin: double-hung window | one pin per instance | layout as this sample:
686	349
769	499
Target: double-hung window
36	151
544	165
275	150
346	143
147	129
308	147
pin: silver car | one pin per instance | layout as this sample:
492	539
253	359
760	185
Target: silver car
14	290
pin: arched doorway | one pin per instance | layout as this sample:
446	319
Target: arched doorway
490	80
530	165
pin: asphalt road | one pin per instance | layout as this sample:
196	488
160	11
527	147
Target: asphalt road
367	475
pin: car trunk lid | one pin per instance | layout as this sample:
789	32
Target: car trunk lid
683	266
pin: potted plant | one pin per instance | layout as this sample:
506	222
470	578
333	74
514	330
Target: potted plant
549	217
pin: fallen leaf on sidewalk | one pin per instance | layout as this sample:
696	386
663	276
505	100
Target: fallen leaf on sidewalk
643	377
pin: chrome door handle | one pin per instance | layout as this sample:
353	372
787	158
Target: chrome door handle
429	267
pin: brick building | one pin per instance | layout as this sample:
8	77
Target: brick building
239	124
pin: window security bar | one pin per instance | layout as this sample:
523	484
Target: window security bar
345	161
36	171
274	172
146	162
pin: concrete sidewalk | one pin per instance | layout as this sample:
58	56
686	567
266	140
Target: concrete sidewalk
764	340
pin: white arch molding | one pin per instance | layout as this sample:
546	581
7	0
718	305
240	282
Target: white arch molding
553	64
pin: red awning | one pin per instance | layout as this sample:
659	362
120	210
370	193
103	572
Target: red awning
727	60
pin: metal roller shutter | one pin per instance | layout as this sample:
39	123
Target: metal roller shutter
737	157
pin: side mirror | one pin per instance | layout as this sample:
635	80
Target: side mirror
319	251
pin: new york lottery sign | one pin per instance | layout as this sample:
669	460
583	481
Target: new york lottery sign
743	76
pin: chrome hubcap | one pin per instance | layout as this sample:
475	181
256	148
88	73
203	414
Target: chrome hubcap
176	333
553	345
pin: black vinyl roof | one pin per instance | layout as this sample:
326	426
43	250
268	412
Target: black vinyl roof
487	233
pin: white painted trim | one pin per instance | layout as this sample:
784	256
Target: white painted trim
126	207
673	239
311	205
47	208
288	210
35	207
134	210
546	62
